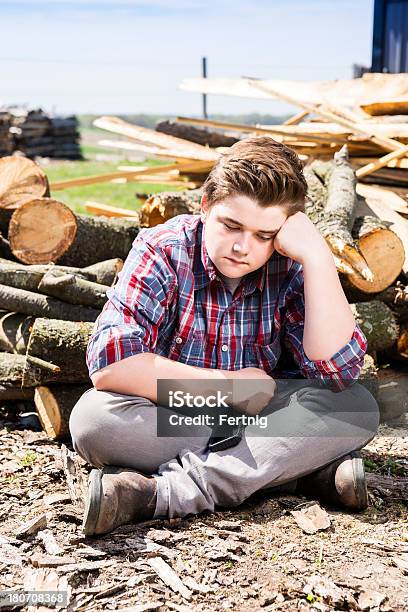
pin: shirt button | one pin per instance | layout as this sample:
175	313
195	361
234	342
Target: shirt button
179	340
224	347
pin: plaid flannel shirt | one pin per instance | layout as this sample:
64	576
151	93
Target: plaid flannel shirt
169	300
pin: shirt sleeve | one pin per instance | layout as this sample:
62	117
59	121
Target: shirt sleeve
343	368
137	306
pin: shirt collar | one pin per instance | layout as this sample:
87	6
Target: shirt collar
205	272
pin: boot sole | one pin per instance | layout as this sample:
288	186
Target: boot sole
360	487
93	503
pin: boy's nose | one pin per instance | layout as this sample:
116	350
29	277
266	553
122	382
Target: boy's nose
241	247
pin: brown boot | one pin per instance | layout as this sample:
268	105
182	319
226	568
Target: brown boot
117	496
341	483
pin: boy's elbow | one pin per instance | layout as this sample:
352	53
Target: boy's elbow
100	379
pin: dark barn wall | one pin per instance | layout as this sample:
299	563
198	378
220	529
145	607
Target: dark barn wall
390	36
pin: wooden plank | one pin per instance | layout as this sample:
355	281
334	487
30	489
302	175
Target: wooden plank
389	144
156	139
388	197
264	129
296	118
106	178
381	162
97	208
181	156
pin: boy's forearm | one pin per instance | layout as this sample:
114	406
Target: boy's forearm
329	321
138	375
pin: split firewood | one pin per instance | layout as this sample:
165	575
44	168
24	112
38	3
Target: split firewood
160	207
54	406
29	303
45	230
14	332
378	323
20	180
103	272
62	343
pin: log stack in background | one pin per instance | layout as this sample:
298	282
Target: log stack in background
36	134
60	265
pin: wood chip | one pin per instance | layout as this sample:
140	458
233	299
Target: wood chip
76	480
402	563
169	577
153	605
49	542
231	525
39	560
86	567
31	527
9	555
312	518
370	599
56	498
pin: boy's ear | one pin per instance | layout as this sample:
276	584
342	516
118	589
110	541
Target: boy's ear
204	206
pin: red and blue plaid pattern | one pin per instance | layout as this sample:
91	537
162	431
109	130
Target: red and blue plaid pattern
169	300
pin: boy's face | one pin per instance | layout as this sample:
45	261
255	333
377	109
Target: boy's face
237	229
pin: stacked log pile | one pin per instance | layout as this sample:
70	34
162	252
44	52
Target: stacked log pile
59	267
34	133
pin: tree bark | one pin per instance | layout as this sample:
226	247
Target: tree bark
103	272
54	406
13	394
109	237
160	207
20	180
15	368
378	323
392	487
72	289
62	343
29	303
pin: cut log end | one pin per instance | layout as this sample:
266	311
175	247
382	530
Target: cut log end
41	231
384	253
20	180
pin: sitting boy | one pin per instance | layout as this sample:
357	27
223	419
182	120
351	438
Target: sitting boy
218	296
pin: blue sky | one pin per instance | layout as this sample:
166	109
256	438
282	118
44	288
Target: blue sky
129	56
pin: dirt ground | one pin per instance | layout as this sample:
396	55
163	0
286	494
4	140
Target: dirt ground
254	557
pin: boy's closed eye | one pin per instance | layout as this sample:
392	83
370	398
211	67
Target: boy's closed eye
265	238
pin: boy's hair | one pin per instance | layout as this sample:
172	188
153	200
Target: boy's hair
262	169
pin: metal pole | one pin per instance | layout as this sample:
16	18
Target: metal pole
204	71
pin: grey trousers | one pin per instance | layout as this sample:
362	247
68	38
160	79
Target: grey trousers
307	428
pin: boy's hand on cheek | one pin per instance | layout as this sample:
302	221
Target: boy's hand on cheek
299	239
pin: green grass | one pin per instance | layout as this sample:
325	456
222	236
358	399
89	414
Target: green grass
122	195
